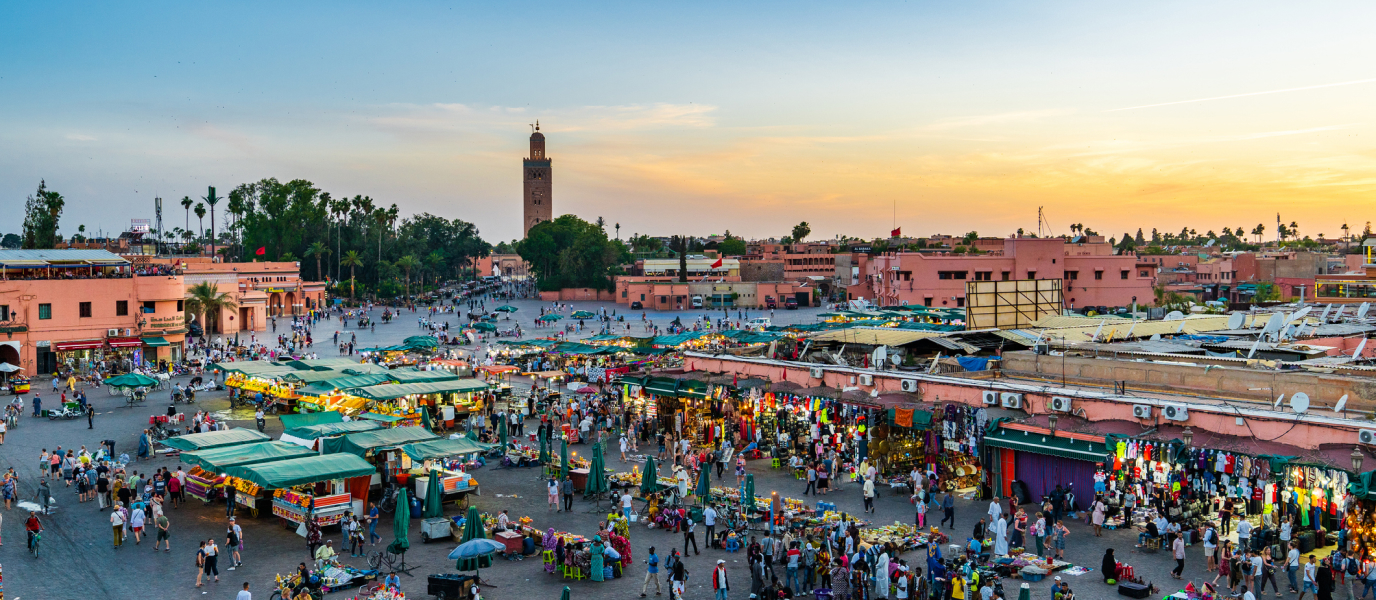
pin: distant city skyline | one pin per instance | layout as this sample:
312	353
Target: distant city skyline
701	118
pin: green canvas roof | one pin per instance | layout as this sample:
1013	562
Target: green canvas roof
290	422
399	390
422	341
324	364
351	382
416	375
363	443
255	368
215	439
1050	446
300	471
156	341
380	418
312	375
676	339
311	432
443	448
216	460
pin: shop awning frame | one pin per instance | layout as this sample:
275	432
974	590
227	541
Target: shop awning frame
216	460
156	341
300	471
215	439
445	448
1095	452
401	390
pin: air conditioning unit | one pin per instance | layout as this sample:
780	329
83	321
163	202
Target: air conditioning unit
111	333
1141	411
991	398
815	372
1011	400
1174	412
1366	436
909	385
1060	404
866	380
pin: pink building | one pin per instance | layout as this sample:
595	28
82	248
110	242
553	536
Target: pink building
1092	274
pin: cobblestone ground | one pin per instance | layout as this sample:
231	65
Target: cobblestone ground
78	560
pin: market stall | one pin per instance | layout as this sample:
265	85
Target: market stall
460	396
206	479
376	444
215	439
450	458
321	487
310	435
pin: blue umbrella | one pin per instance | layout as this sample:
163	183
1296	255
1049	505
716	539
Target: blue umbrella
474	549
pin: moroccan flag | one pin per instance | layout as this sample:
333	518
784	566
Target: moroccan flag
717	264
897	232
261	250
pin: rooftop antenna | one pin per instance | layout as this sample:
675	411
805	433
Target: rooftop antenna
1357	354
1342	402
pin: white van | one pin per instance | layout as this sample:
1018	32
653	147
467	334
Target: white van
758	324
697	301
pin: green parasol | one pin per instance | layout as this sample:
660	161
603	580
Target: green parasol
434	503
649	479
401	522
583	314
704	489
483	327
472	434
597	473
425	419
566	594
564	460
501	433
550	317
473	530
544	447
748	494
506	308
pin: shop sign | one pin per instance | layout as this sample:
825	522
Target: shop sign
276	291
43	344
165	322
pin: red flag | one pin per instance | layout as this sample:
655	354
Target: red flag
261	250
717	264
896	232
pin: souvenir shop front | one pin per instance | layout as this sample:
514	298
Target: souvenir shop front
901	442
1032	461
953	453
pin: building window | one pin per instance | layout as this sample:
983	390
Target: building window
84	310
45	312
984	275
1123	274
1006	274
150	307
180	305
1072	275
1031	274
121	308
4	312
1142	274
926	301
960	302
951	274
1053	261
1098	274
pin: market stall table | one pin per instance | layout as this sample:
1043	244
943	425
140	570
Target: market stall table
289	478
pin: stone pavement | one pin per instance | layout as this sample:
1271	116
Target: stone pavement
78	560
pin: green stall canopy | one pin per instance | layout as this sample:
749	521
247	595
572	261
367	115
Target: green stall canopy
300	471
290	422
361	444
417	376
311	432
215	439
436	449
1050	446
216	460
401	390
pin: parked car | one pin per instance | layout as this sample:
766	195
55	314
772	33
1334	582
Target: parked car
758	323
791	303
769	303
636	305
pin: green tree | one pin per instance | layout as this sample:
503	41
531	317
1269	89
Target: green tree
211	199
12	241
801	231
200	217
570	252
42	212
679	244
971	237
731	247
353	261
406	263
319	250
186	203
205	299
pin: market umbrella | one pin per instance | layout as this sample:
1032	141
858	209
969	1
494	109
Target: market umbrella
649	478
748	493
473	530
131	380
550	317
564	459
506	308
544	447
587	390
483	327
401	523
582	314
501	433
566	594
425	419
472	434
704	489
434	503
1024	592
475	550
597	473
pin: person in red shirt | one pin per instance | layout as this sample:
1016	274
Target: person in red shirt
32	526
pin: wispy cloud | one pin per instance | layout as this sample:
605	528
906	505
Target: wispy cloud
80	137
999	118
1282	91
467	117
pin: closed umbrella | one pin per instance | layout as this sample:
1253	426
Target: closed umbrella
748	493
401	524
425	419
704	489
501	433
472	434
649	478
564	459
473	530
434	503
544	447
566	594
597	474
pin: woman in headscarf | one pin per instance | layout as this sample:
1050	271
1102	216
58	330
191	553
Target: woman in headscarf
145	445
840	579
549	543
595	554
622	545
881	574
1109	566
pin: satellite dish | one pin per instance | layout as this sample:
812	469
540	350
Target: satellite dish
1236	320
1303	312
1209	243
1254	348
1284	331
1155	337
1326	310
1357	354
1277	404
1361	310
1175	315
1338	408
1339	316
1299	402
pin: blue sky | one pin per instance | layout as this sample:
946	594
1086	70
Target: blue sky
706	116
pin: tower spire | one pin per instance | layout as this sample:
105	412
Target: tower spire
537	124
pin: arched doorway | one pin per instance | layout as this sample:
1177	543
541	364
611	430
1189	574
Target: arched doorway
291	302
275	304
9	353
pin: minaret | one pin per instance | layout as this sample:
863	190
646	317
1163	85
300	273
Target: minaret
538	206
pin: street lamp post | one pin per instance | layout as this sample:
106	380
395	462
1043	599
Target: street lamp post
1357	460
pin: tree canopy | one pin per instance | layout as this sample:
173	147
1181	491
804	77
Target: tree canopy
42	212
570	252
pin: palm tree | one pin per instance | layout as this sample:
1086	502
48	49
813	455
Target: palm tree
204	299
318	250
380	218
211	199
339	208
406	263
351	260
186	203
200	217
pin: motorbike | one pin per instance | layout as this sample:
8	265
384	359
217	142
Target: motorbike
65	412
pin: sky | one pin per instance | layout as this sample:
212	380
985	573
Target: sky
703	117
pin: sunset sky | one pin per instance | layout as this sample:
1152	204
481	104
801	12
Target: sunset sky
705	116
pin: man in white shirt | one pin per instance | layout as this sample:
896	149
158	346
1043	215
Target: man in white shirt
243	594
709	519
1244	534
626	504
1311	578
625	444
995	510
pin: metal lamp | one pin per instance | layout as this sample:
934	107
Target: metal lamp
1357	460
1188	434
1051	422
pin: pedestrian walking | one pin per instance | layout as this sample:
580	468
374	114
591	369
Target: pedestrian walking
689	535
164	535
373	516
720	585
651	573
117	525
211	559
244	594
948	506
1178	551
566	487
234	543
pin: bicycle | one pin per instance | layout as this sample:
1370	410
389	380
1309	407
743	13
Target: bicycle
33	543
388	502
381	558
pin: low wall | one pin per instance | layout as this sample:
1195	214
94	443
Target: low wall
578	295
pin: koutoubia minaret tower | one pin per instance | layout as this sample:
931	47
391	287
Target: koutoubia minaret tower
539	205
